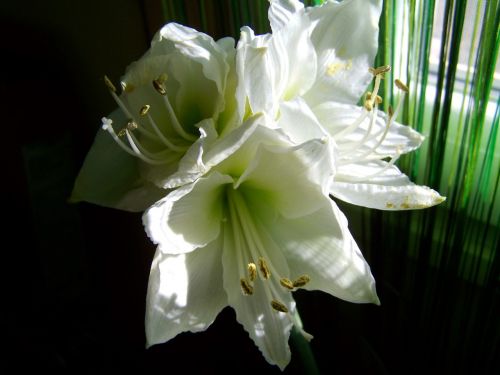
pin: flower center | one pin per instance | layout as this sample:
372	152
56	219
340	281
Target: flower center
145	146
255	263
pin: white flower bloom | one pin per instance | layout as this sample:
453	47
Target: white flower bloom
315	67
259	225
175	101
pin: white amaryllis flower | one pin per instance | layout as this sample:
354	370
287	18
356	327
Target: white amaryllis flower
175	100
259	225
314	68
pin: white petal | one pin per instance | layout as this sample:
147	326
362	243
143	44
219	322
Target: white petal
299	122
201	48
189	217
185	293
292	179
346	40
321	246
294	58
253	61
268	328
282	11
378	185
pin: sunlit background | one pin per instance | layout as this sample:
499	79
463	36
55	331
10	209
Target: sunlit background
76	275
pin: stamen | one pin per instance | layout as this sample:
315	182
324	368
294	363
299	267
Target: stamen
108	83
368	105
301	281
159	86
144	110
264	269
107	125
131	125
400	85
164	139
252	271
127	87
112	90
140	151
246	287
380	70
351	127
286	283
279	306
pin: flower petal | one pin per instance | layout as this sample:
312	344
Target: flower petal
285	64
345	38
378	185
189	217
321	246
185	293
281	12
111	177
299	122
196	46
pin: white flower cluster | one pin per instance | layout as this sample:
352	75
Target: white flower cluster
233	150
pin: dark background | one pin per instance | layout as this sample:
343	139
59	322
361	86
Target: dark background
74	277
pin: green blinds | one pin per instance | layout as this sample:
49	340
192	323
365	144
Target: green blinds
447	51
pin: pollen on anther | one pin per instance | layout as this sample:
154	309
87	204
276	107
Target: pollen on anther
301	281
159	87
252	271
286	283
400	85
131	125
279	306
144	110
380	70
264	269
246	287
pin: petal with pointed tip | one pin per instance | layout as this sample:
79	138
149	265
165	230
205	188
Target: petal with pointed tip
185	293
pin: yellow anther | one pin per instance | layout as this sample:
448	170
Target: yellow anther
109	84
246	287
159	87
279	306
127	87
144	110
286	283
380	70
264	269
252	271
369	97
400	85
131	125
368	105
301	281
